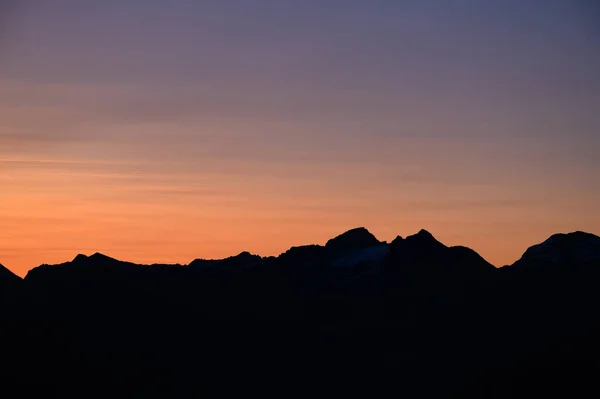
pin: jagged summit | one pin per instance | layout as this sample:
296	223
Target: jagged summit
577	246
356	238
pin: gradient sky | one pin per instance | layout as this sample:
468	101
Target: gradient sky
169	130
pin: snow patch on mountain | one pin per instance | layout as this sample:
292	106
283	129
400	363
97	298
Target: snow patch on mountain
372	254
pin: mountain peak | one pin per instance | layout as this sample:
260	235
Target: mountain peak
425	234
80	258
244	254
100	256
397	240
577	246
356	238
574	237
424	238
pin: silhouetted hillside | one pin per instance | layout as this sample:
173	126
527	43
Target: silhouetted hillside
412	318
358	238
7	277
9	282
574	248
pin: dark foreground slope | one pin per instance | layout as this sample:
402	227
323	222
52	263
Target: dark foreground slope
411	318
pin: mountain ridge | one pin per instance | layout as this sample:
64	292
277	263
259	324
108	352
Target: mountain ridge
357	312
355	238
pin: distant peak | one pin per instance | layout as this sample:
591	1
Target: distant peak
356	230
574	236
97	257
244	254
100	257
424	233
424	237
397	240
563	247
357	238
80	257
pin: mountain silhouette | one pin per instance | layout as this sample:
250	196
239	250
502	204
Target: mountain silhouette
244	259
413	318
577	247
353	239
9	282
422	254
7	277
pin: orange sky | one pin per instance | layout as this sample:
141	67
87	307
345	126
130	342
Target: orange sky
53	208
167	131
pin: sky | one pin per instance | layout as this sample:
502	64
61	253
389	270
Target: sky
164	131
